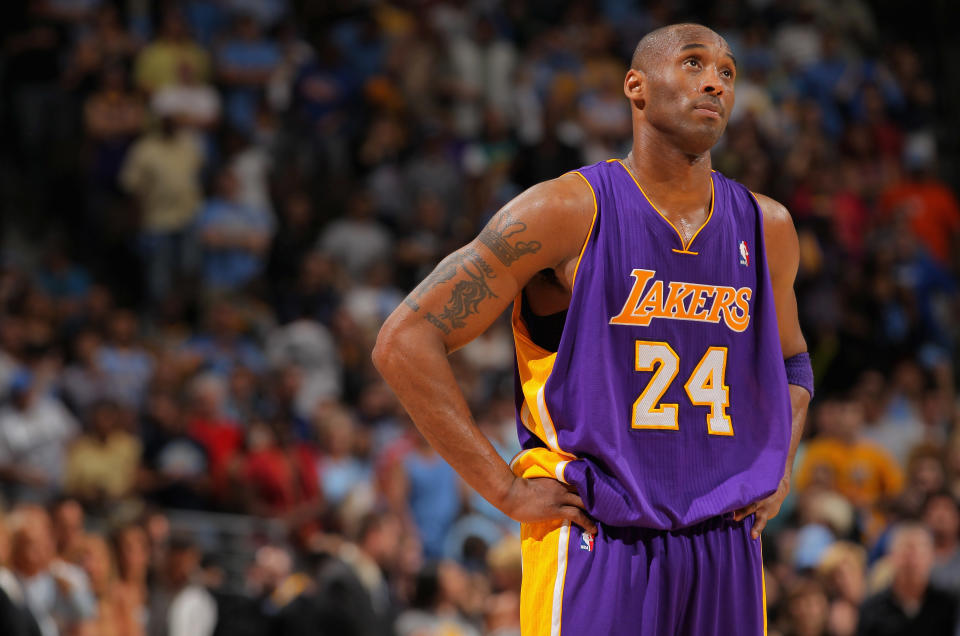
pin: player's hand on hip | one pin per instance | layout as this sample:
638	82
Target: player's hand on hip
765	509
544	499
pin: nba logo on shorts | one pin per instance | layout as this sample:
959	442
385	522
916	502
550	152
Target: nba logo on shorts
586	542
744	253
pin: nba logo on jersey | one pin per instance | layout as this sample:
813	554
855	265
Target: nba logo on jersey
744	253
586	542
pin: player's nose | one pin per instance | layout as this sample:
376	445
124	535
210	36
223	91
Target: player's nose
711	87
711	83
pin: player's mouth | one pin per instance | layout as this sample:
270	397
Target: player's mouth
709	109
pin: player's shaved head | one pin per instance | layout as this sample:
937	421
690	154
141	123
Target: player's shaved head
654	45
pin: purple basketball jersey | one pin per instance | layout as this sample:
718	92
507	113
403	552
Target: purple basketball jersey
666	403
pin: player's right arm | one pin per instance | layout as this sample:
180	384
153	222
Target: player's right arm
543	228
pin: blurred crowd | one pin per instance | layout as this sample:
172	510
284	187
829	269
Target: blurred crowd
210	206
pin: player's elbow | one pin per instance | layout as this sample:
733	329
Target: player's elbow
381	353
404	346
389	352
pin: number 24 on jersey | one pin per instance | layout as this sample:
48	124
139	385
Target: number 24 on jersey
705	387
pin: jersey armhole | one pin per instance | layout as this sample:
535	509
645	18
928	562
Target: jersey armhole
586	240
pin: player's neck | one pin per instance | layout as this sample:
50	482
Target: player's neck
675	179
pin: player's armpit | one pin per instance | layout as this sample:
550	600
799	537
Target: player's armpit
540	229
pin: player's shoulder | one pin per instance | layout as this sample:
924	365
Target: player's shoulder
773	211
780	237
568	197
778	228
554	215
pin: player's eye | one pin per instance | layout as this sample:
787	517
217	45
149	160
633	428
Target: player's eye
727	73
692	61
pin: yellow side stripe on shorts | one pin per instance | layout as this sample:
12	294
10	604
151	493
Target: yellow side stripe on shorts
544	548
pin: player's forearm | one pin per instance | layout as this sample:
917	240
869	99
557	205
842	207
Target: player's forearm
799	401
414	363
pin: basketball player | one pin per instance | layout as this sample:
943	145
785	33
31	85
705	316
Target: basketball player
662	376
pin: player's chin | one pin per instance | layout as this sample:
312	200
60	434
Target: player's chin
702	138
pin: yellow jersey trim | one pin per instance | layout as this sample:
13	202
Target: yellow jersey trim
583	249
763	589
535	364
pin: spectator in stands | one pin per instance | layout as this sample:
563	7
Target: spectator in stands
132	553
370	302
191	103
123	360
159	63
502	611
57	593
113	117
314	293
311	349
358	240
175	470
806	609
62	279
250	157
842	568
245	61
223	343
928	206
35	430
116	614
15	616
341	472
941	515
11	344
102	463
101	42
435	608
379	543
276	476
67	521
427	492
234	237
208	424
293	241
952	463
274	598
162	172
911	605
925	477
842	460
83	381
178	605
246	398
895	428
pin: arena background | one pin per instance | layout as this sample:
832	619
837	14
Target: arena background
210	206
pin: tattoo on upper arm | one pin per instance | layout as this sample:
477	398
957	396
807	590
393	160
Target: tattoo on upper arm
467	293
436	322
498	236
446	270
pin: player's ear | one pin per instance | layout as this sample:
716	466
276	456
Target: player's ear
634	87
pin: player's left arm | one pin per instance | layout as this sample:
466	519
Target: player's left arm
783	260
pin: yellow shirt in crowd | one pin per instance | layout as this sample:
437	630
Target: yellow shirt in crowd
164	175
162	63
862	472
109	467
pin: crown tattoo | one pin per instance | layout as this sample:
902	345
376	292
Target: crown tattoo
497	234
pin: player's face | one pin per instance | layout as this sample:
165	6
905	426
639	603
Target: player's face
689	94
